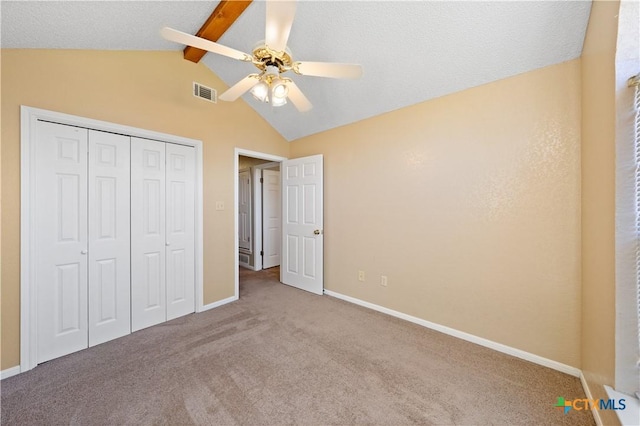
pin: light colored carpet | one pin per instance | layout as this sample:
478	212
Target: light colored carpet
284	356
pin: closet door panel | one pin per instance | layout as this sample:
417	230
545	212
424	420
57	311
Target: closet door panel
109	237
60	239
180	186
148	235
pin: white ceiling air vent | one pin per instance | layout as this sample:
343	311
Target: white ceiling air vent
204	92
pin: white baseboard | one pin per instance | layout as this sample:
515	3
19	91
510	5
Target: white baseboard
218	303
536	359
9	372
587	392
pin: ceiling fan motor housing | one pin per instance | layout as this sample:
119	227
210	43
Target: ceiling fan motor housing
264	57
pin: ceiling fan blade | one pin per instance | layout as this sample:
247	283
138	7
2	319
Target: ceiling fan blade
240	88
279	20
329	69
297	98
201	43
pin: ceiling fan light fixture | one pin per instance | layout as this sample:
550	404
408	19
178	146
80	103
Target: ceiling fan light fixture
279	89
276	102
261	92
271	89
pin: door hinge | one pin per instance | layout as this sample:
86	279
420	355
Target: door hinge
261	180
261	253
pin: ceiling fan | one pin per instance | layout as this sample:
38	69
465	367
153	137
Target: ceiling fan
272	58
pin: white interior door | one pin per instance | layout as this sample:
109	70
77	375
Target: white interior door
61	239
109	265
180	230
271	218
302	223
244	210
148	279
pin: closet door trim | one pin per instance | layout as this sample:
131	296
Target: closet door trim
29	117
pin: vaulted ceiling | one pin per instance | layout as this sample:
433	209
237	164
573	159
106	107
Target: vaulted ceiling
410	51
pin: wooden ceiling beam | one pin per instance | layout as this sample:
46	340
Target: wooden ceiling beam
224	15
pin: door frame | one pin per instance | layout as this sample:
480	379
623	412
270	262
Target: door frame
245	153
29	116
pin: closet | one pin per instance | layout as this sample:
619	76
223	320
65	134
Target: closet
114	235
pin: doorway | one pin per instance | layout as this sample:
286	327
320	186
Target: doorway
251	223
259	213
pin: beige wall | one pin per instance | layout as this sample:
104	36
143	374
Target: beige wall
598	195
149	90
470	204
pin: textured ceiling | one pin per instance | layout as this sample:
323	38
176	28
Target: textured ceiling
410	51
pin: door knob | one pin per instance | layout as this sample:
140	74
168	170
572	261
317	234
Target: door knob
83	252
317	232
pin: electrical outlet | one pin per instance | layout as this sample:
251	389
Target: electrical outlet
360	275
219	205
383	280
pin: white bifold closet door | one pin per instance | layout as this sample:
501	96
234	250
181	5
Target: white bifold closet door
181	216
62	243
163	228
82	238
109	237
148	280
